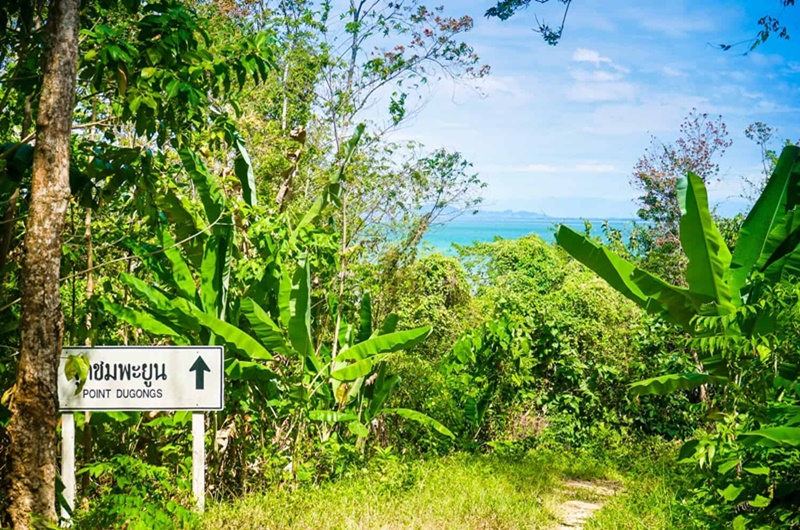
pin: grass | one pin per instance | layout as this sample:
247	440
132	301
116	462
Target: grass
650	481
461	492
465	492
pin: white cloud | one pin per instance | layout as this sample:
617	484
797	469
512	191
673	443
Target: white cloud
499	85
604	83
540	168
661	112
519	168
583	55
594	167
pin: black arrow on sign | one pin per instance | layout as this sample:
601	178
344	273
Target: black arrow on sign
199	368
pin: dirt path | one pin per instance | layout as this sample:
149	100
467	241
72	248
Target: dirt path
586	498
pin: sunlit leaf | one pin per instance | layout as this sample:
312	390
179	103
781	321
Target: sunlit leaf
670	383
422	419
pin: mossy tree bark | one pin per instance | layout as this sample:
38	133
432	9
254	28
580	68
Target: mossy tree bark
34	404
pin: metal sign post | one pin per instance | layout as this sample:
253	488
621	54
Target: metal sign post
142	378
199	459
68	460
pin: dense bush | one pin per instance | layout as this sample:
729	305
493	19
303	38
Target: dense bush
135	495
558	351
740	312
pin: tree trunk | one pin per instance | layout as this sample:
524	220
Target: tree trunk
34	404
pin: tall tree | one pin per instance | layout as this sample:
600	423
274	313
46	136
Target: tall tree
656	174
33	406
377	46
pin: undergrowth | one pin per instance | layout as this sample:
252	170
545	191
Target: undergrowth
505	489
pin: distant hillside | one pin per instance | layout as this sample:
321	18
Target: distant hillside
492	217
484	216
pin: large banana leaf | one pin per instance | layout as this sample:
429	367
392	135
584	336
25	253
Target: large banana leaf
232	336
333	188
211	195
365	319
186	316
679	303
182	276
772	437
215	273
781	194
670	383
613	269
311	216
266	331
152	258
187	226
248	371
143	321
421	418
475	409
709	257
295	308
162	304
389	325
786	268
358	369
380	390
391	342
243	168
651	293
777	261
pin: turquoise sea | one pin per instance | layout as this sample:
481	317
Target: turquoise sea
486	226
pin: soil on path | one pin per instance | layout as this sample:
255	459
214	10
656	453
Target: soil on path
585	498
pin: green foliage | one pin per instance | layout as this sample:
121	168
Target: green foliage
138	495
218	198
76	368
742	320
162	71
557	353
433	290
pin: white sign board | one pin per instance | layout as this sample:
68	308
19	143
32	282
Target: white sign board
145	378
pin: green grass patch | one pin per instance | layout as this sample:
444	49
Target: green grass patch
651	483
470	492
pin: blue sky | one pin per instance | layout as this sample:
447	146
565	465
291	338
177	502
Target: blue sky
556	130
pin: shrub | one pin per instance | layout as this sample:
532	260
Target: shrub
137	495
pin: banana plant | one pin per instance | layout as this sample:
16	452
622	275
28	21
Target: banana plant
360	378
719	283
191	299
